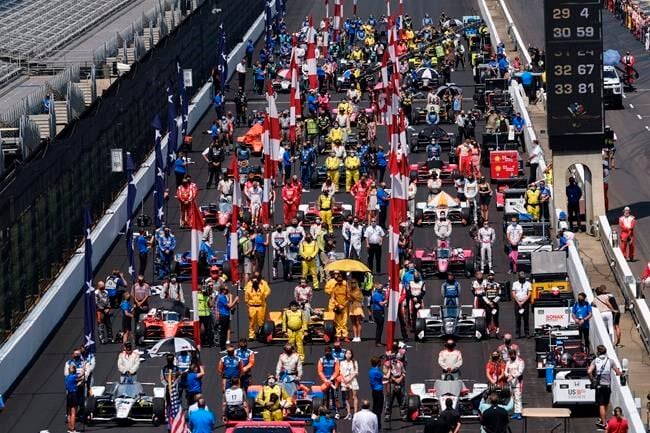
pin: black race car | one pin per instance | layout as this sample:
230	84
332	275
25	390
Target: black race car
420	139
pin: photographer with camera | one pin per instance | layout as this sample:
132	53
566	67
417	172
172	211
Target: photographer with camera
600	373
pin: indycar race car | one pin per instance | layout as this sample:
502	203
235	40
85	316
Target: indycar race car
456	211
419	140
450	321
125	403
445	259
572	387
421	171
320	327
423	398
307	213
207	258
266	426
217	215
165	322
304	403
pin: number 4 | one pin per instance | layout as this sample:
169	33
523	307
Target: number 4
584	13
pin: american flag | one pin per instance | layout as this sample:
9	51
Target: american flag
159	181
89	293
172	127
222	59
130	201
182	97
175	413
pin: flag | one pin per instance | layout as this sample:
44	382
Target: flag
338	18
325	39
172	128
197	224
295	107
159	180
130	201
175	413
182	97
268	171
354	8
275	132
268	20
233	240
90	307
311	56
222	61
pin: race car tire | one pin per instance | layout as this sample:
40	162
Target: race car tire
346	213
480	325
420	326
316	403
412	406
91	407
470	269
158	411
300	215
419	216
329	331
266	333
140	331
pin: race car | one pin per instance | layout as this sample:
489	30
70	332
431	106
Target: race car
423	398
207	258
572	387
308	212
253	139
125	403
305	402
282	81
420	139
444	259
319	176
161	323
421	171
266	426
426	212
450	322
217	215
320	327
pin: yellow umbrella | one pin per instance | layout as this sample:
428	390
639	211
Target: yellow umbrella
347	265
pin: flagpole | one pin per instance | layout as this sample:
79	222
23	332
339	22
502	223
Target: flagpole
197	224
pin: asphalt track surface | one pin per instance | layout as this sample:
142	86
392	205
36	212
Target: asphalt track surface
38	402
631	124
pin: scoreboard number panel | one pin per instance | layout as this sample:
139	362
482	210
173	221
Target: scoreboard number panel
574	70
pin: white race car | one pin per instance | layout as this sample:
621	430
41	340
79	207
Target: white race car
126	403
572	387
423	398
450	321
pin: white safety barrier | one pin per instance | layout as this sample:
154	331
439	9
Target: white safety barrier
24	344
621	395
512	29
485	13
626	280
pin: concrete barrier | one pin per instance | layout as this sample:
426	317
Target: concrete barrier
19	350
626	280
485	13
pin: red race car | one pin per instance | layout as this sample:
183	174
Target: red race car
421	171
308	212
217	215
266	427
167	321
445	259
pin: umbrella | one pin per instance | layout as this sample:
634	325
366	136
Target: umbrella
453	23
442	199
426	73
347	265
454	90
172	345
611	58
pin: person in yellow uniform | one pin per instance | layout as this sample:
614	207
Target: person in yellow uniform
332	165
308	250
356	55
256	292
345	106
325	203
294	323
336	134
270	398
339	293
352	164
532	201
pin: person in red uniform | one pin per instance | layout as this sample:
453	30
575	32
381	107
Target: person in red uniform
628	60
495	370
617	424
360	193
186	193
626	223
290	201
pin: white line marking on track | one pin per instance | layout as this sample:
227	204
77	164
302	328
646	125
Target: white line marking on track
647	128
624	97
639	116
631	106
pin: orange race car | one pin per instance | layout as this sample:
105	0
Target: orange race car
253	139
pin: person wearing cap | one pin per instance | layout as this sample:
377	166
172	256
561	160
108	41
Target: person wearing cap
491	301
352	164
627	223
308	250
532	201
325	204
166	246
256	293
332	165
338	291
521	290
294	324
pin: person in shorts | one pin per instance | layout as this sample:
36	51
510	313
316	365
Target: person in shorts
600	373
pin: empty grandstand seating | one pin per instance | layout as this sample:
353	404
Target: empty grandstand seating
34	28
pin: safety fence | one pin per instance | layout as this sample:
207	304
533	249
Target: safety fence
40	217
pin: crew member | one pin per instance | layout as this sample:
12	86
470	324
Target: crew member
290	202
352	164
325	203
308	251
271	398
294	323
491	300
533	201
332	165
450	360
515	378
247	357
328	371
230	367
339	293
255	294
626	223
486	237
360	193
521	295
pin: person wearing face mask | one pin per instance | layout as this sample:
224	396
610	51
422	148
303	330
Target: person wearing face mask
170	376
172	289
128	364
581	312
491	302
345	232
247	357
515	378
166	246
141	293
270	398
617	424
514	234
533	201
290	202
308	250
295	234
294	324
289	368
349	384
279	244
478	290
328	371
486	238
521	290
450	291
600	372
303	294
450	360
229	367
103	314
505	348
374	235
356	236
495	370
442	228
186	193
256	292
470	190
339	293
